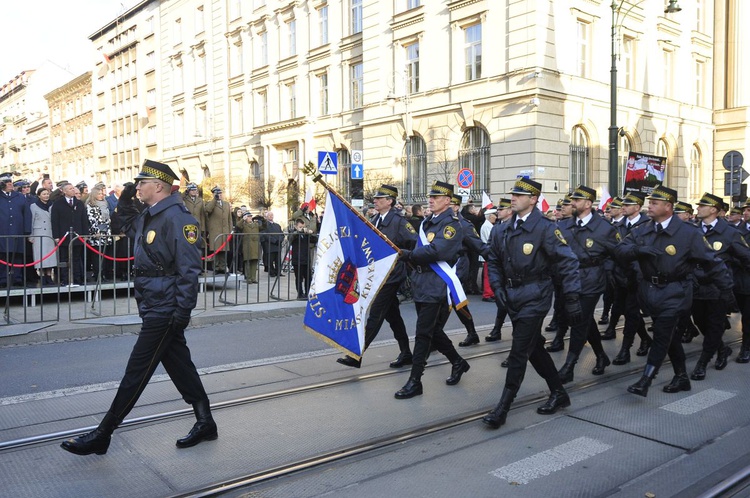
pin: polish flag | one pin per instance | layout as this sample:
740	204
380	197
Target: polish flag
543	204
606	198
310	198
486	201
104	68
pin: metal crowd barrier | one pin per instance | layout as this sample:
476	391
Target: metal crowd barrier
106	287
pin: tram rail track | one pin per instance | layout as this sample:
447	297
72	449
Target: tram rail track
342	453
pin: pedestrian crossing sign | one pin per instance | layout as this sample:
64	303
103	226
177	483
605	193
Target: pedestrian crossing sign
328	162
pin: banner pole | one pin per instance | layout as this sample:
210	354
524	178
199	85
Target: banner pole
311	171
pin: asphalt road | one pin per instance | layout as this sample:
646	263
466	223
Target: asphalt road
39	368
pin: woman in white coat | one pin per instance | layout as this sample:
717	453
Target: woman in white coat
41	236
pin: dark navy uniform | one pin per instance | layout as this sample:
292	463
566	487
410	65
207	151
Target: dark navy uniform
166	268
709	310
742	294
667	258
593	243
430	293
385	306
472	244
521	263
15	222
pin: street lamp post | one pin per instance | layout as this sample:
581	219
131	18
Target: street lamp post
392	98
617	20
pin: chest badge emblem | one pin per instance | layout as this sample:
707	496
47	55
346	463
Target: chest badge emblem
671	250
150	236
528	248
589	243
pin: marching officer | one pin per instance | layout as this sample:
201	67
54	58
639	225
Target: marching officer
504	213
166	267
559	322
521	262
667	251
385	306
472	244
686	330
709	311
592	240
742	289
626	286
439	241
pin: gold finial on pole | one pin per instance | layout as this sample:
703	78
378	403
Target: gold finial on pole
311	170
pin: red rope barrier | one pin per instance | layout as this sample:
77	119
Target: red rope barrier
47	256
219	248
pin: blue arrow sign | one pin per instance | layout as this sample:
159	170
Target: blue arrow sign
358	172
327	162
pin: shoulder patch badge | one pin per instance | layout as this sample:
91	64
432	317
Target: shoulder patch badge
707	243
617	236
560	237
191	233
410	228
449	232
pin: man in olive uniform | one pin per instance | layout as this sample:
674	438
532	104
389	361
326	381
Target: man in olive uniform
195	205
592	240
385	306
439	241
166	267
667	251
709	311
521	262
218	225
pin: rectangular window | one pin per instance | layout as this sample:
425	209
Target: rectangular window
200	21
323	24
235	9
263	49
177	32
151	135
356	16
412	4
582	48
291	92
200	71
292	32
149	25
667	57
179	128
236	116
263	107
699	82
699	13
323	93
201	122
177	78
357	85
473	51
628	61
151	98
412	67
235	59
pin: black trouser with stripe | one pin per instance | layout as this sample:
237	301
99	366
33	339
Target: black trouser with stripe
157	342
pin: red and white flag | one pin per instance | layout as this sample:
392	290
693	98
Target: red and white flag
104	68
605	199
543	204
310	198
486	201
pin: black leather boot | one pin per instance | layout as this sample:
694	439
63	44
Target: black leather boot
623	357
557	344
413	387
602	362
349	362
610	333
699	372
557	399
744	355
402	360
604	320
204	428
498	415
566	372
722	357
472	336
495	334
644	347
96	441
641	387
552	326
459	368
680	382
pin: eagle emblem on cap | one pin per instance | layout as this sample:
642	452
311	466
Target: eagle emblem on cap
191	233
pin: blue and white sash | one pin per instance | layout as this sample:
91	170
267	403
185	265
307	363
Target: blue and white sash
456	295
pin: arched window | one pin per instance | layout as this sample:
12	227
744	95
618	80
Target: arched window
579	157
474	154
624	146
344	176
256	172
694	174
414	161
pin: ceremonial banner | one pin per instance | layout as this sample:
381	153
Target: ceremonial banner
351	263
644	172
